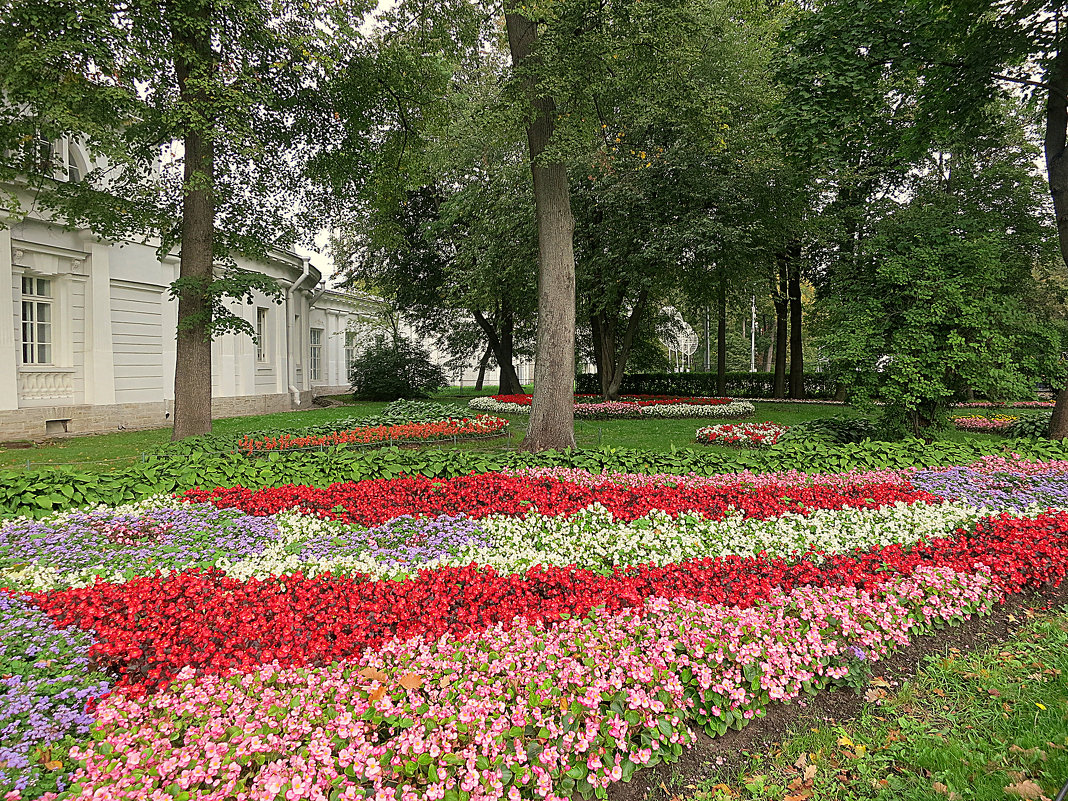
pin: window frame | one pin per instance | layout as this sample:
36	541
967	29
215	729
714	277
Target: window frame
315	353
34	301
262	332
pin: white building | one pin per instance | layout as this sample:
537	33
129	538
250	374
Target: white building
91	343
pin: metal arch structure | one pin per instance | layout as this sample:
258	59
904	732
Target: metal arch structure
679	338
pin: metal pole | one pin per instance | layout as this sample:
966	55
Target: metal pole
752	339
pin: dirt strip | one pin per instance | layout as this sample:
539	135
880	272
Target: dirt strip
724	754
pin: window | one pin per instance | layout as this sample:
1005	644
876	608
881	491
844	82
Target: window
36	320
350	351
315	353
261	335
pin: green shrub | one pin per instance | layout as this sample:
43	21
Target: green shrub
834	430
392	369
1034	425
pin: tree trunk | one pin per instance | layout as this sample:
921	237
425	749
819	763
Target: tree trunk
1056	149
781	303
552	415
482	365
192	373
501	345
797	359
612	362
721	337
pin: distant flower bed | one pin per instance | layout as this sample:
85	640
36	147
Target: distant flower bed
479	426
591	407
742	435
1036	404
989	425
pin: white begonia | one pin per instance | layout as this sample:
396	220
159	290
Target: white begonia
591	538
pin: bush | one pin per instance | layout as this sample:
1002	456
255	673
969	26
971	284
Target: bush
1033	426
392	369
834	430
739	385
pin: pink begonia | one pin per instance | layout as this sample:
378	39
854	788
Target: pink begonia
745	479
1010	463
507	713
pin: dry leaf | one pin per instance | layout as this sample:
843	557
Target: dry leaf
795	784
879	681
844	741
373	674
810	773
378	693
410	681
55	764
801	796
723	788
1029	752
1025	789
874	694
937	691
801	761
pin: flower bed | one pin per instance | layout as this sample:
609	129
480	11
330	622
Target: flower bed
985	425
1034	404
741	435
590	406
480	426
541	634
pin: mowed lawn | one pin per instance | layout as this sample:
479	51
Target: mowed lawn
109	452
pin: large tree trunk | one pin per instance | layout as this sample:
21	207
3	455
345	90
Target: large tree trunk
781	310
721	337
552	415
482	365
501	343
192	373
1056	148
797	359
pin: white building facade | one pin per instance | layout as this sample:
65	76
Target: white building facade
90	346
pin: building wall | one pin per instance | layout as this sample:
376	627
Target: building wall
113	333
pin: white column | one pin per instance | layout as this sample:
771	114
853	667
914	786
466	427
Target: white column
9	376
99	347
169	323
282	366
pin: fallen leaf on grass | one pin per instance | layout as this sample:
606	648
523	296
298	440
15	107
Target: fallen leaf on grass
1025	789
1028	752
942	789
810	773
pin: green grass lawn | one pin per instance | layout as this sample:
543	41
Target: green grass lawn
985	727
107	452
